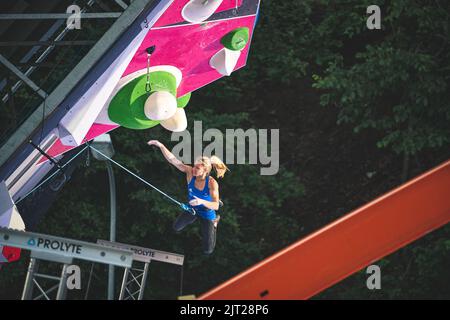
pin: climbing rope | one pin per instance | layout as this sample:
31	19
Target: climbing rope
52	175
183	206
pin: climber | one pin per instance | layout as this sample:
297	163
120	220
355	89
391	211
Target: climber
203	193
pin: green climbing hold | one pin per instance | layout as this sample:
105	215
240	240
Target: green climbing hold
184	100
127	106
159	81
237	39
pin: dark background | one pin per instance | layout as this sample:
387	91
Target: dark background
359	113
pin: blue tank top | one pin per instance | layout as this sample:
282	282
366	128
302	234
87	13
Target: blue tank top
204	194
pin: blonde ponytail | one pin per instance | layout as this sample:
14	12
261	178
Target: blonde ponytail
213	162
219	166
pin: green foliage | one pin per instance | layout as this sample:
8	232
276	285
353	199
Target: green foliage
256	218
396	82
393	82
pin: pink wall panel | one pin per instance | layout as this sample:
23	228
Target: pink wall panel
189	48
173	13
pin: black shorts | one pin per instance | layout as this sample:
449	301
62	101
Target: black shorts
207	228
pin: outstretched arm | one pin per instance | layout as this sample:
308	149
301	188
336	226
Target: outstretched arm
171	158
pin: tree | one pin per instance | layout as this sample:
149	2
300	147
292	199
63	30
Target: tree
397	82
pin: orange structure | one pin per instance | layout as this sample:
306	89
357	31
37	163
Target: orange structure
349	244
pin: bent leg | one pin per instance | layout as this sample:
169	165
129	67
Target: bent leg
183	220
208	236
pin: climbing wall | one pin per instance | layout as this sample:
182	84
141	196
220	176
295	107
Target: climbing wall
186	46
196	42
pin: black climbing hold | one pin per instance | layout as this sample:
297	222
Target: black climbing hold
151	49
